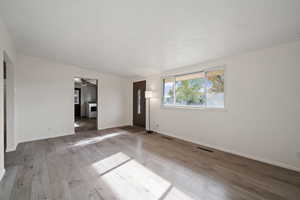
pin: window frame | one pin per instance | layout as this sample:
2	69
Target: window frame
203	70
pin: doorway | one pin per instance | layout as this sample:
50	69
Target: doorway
5	105
85	104
77	102
139	104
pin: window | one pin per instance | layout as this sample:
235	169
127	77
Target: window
203	89
139	101
76	97
168	97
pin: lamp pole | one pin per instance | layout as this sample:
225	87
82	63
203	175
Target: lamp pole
148	95
149	129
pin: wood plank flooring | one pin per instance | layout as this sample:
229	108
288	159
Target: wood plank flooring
126	163
85	124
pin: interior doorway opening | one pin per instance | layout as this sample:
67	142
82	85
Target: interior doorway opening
85	104
5	104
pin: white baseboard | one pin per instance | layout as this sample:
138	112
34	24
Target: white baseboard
46	137
2	172
9	149
264	160
64	134
113	126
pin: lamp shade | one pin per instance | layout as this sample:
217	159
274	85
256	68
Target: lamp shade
148	94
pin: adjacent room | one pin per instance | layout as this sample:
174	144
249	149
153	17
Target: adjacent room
150	100
85	104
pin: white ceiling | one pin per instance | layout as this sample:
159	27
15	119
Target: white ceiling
142	37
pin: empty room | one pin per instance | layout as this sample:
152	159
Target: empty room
150	100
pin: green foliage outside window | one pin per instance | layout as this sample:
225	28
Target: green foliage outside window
196	89
190	92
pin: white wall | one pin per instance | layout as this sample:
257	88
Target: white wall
45	98
262	117
7	50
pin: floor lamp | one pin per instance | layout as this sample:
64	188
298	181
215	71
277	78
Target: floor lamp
148	96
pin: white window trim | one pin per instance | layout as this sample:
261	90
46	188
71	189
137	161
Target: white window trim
191	107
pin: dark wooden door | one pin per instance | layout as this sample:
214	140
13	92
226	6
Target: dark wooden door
139	103
77	101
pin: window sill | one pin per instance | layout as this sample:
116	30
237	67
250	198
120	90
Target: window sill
193	108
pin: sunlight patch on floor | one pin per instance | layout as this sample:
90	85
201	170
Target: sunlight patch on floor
132	180
109	163
176	194
125	178
96	139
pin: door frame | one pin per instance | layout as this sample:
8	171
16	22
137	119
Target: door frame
97	100
5	105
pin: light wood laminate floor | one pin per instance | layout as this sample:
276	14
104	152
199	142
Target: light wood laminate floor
85	124
125	163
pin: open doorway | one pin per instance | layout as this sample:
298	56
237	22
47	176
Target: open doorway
5	105
85	104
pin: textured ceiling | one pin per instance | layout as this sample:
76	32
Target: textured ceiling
142	37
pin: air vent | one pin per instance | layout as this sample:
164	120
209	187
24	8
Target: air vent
204	149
